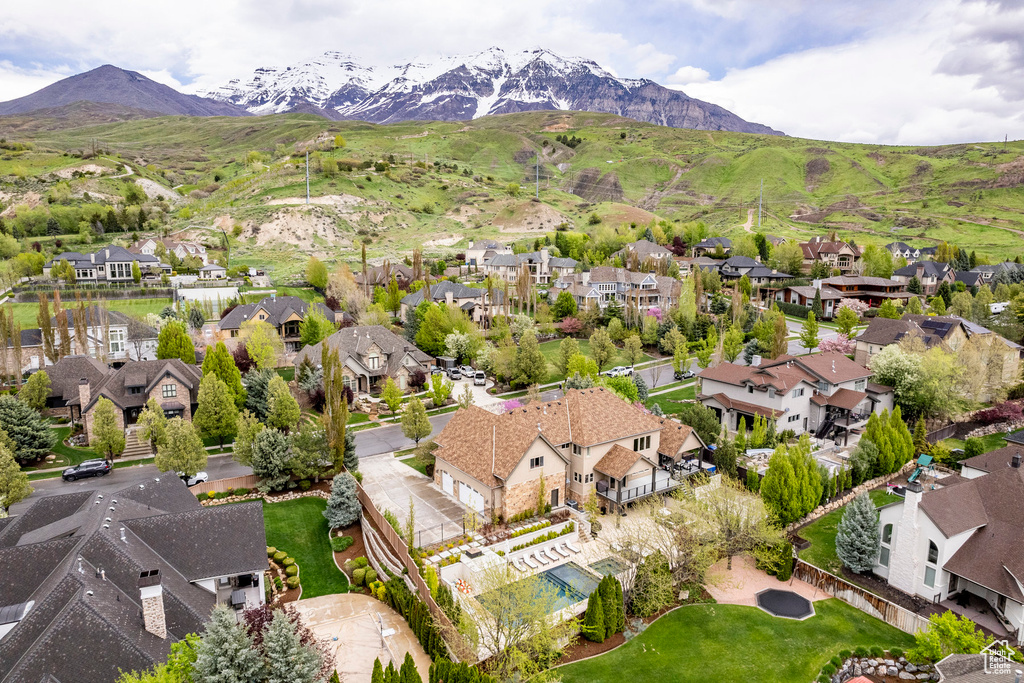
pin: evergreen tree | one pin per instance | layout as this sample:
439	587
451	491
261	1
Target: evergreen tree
408	673
283	410
378	673
220	362
610	604
343	506
641	387
217	416
270	459
857	535
816	308
593	621
196	319
226	653
351	460
107	433
415	423
183	453
921	436
257	387
778	487
287	659
174	342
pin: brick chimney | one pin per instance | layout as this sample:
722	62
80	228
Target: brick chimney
152	595
904	563
84	394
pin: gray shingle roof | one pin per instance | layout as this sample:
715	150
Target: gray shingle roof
355	342
928	268
278	309
111	253
65	374
115	384
438	290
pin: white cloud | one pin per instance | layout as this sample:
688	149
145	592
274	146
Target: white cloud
18	81
688	74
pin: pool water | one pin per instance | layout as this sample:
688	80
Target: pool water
570	583
609	566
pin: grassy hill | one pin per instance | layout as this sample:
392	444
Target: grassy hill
624	171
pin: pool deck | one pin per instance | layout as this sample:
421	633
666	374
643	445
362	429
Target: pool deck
741	585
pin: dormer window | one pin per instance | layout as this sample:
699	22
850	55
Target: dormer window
373	362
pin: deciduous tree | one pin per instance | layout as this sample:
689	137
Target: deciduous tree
314	328
36	390
283	410
263	344
602	350
391	395
809	333
152	424
107	432
14	486
174	342
415	423
183	452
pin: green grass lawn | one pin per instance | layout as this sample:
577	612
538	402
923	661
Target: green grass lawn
990	442
550	351
822	535
288	373
736	643
416	464
669	401
25	314
67	456
298	527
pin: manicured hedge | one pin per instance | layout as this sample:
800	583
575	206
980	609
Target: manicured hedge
793	309
341	543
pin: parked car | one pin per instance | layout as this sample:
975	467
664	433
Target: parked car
467	371
87	468
197	478
434	370
454	373
480	378
620	371
683	374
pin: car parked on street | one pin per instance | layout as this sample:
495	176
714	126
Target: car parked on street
87	468
620	371
683	374
197	478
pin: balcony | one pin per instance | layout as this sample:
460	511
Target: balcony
663	482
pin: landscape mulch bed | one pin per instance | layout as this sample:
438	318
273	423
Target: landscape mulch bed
357	549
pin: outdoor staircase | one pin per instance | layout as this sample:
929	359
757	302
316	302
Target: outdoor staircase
135	448
826	426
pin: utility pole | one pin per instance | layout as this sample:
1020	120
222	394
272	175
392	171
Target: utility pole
760	202
307	176
538	176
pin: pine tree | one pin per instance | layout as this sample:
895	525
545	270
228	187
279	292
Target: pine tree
408	673
220	362
107	433
343	507
816	308
641	387
31	437
226	653
378	672
287	659
183	452
217	416
921	436
351	460
607	591
257	389
857	536
270	456
593	620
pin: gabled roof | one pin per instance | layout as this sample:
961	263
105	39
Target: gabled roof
968	277
780	376
740	262
993	460
815	248
807	291
644	249
115	384
354	342
211	267
439	291
927	268
96	316
834	367
674	435
742	406
381	275
111	253
712	242
618	461
278	310
66	373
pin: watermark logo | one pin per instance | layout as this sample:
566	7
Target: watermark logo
998	657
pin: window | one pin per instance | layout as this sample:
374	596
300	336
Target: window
577	478
234	333
798	392
887	534
116	341
536	462
262	317
823	385
793	418
861	385
883	557
169	390
771	393
589	478
929	577
642	443
576	450
750	388
135	390
933	552
373	362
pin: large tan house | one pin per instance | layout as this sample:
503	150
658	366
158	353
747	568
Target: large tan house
588	441
835	255
284	313
369	354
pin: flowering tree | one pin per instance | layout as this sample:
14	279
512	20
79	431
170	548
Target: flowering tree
855	305
512	404
656	312
571	326
839	344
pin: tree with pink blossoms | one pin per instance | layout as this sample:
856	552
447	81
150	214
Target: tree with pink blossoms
839	344
512	404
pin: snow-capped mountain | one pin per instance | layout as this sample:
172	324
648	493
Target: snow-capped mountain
465	87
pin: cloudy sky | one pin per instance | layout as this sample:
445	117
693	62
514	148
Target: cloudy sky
855	70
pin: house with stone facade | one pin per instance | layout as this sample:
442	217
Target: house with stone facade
834	254
602	285
959	545
179	249
825	394
930	274
643	252
284	313
479	304
369	354
589	442
94	583
174	385
380	276
109	264
479	251
711	245
542	266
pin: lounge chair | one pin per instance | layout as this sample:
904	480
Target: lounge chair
529	562
540	558
515	563
572	547
548	553
558	550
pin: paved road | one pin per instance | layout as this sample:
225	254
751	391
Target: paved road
387	439
795	348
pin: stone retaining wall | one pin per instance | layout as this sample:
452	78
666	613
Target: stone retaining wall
256	495
864	487
998	428
893	667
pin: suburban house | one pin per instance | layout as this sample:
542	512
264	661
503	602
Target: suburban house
542	265
735	267
284	313
109	264
687	264
92	584
930	274
950	331
825	394
381	275
839	255
179	249
711	245
871	290
987	273
604	284
213	272
959	546
32	356
479	251
642	252
588	441
368	355
970	278
904	250
174	385
475	301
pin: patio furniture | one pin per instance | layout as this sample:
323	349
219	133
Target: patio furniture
572	547
515	563
540	558
528	562
558	550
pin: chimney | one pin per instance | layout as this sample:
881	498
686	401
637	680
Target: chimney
1015	461
84	394
449	297
152	595
816	284
904	563
755	361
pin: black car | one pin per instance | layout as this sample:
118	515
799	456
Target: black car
87	468
683	374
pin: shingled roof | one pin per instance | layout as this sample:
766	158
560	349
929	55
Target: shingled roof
278	310
66	373
618	461
355	342
143	374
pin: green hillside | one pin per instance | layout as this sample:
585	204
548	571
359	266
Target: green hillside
448	182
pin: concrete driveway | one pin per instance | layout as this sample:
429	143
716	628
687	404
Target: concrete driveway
390	483
359	629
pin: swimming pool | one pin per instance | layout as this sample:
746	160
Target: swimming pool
609	566
569	582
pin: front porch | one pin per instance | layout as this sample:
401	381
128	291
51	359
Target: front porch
619	492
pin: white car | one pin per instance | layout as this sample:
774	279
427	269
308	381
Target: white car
197	478
620	371
480	378
467	371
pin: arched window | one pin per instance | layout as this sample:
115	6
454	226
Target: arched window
887	534
933	552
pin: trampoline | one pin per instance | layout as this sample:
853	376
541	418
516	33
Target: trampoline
785	604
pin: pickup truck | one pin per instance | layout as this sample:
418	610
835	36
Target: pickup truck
620	371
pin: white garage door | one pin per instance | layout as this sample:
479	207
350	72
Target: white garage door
446	483
470	498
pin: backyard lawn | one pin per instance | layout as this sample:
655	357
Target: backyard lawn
822	535
669	401
550	351
25	313
736	643
991	442
298	527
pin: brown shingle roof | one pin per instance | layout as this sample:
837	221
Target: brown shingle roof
742	406
618	461
484	445
781	376
993	460
833	367
842	398
673	435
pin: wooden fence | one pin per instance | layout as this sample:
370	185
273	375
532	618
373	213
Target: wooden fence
942	433
867	602
248	481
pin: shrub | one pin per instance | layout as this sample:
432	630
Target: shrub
291	570
242	492
836	662
828	669
359	576
279	556
202	496
288	561
292	581
877	652
895	652
861	652
340	544
359	562
305	484
278	583
271	551
370	576
844	654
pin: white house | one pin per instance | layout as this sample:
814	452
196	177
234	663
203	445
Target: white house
962	545
128	339
605	284
179	249
213	272
109	264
